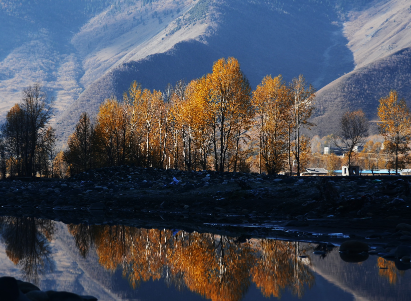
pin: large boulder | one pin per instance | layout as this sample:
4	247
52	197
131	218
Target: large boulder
354	246
9	289
354	257
403	227
26	287
63	296
37	296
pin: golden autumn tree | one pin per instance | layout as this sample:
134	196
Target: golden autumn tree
181	124
146	255
372	156
394	125
113	132
272	100
278	268
199	116
216	269
147	123
303	106
332	163
230	107
137	136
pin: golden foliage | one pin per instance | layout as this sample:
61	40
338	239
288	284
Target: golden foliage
204	124
387	269
217	267
395	121
272	101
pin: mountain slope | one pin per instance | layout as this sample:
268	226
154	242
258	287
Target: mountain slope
266	39
72	47
362	89
86	51
380	40
380	30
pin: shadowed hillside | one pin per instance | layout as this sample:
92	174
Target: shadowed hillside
292	39
86	51
362	89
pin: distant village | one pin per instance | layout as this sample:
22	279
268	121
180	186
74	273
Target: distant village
354	170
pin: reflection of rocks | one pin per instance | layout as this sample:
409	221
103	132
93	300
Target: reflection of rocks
354	257
15	290
354	246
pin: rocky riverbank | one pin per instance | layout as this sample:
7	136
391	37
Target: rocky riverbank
323	210
16	290
150	189
206	201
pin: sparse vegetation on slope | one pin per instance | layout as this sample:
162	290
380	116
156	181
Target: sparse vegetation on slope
361	89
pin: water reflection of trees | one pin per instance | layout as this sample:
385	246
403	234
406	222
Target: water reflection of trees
279	267
217	267
84	236
27	244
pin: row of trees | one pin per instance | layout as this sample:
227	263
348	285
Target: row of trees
210	123
215	122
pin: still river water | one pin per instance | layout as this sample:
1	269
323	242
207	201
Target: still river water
126	263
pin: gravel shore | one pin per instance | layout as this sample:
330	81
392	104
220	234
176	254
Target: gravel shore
208	200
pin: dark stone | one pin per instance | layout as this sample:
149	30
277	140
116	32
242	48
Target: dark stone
26	287
38	296
97	206
296	224
402	266
89	298
405	238
402	251
9	289
354	246
403	227
354	257
405	259
63	296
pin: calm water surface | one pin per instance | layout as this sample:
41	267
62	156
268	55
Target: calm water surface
126	263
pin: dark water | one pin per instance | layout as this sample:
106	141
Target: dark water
126	263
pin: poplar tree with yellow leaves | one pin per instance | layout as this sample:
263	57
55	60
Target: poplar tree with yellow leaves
273	103
395	122
112	130
200	117
230	108
147	121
